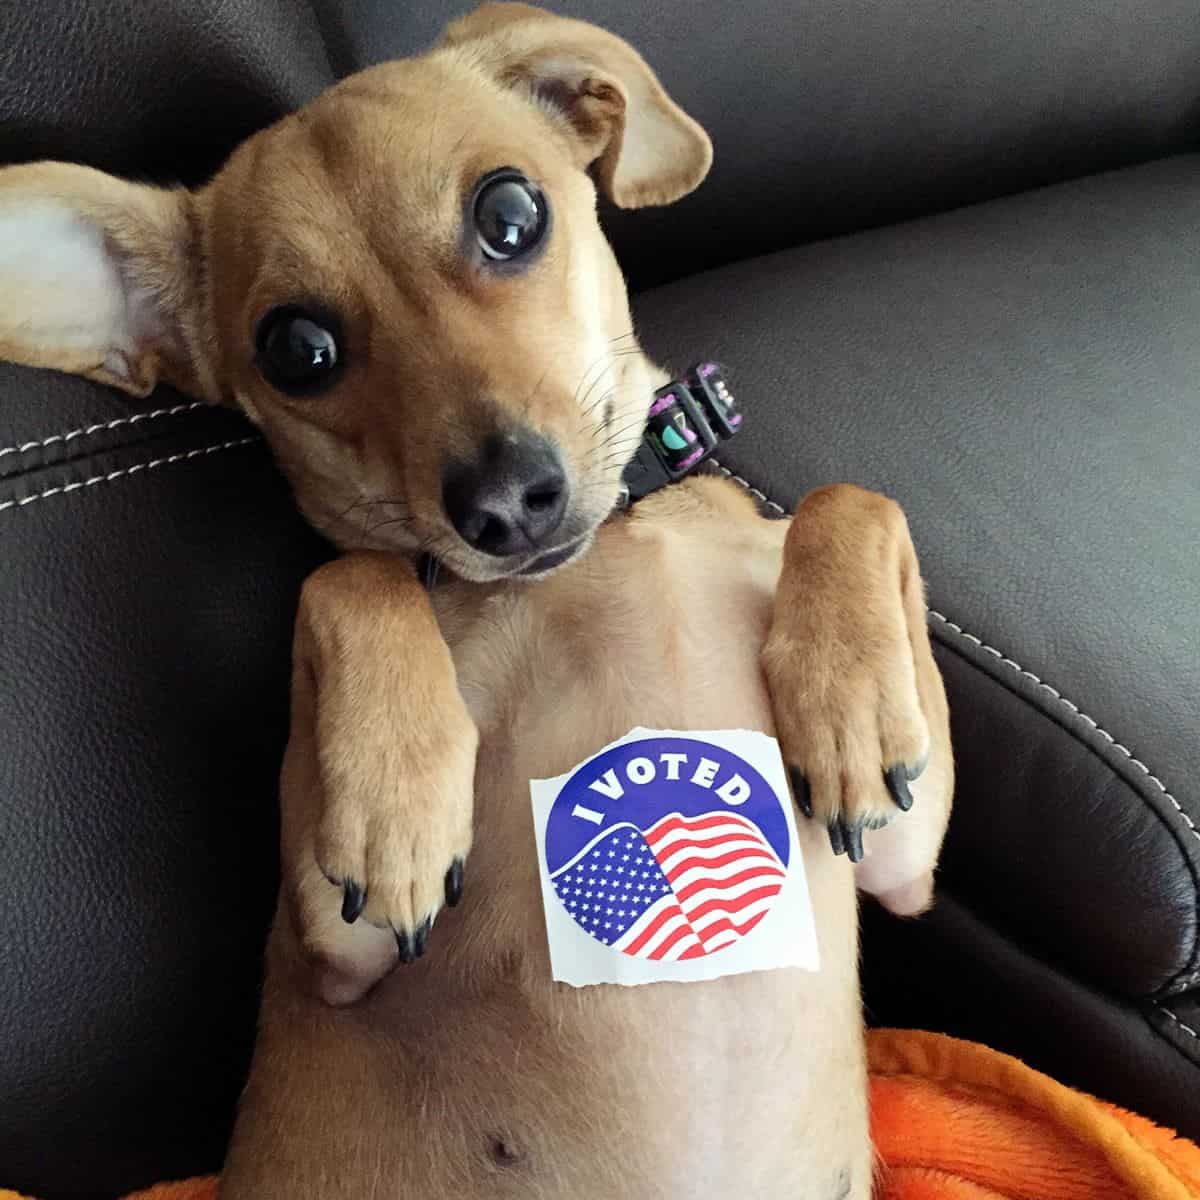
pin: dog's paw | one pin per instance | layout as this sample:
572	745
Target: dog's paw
840	665
852	743
394	839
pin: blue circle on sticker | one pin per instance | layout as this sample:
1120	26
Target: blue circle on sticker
667	848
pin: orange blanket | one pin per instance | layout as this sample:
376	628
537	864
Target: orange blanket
956	1121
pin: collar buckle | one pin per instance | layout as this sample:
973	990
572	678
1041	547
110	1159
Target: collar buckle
686	421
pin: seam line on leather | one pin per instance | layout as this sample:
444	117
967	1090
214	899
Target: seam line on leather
88	430
1074	708
1166	1012
762	497
152	465
1183	976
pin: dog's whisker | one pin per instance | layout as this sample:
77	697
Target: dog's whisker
598	427
621	454
537	387
406	519
581	401
583	416
612	355
631	438
367	504
637	427
614	460
615	356
591	408
358	503
345	513
604	425
611	394
379	525
586	374
632	432
373	500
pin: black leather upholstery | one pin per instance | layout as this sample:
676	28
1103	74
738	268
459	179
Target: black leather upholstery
1022	375
833	116
144	643
160	91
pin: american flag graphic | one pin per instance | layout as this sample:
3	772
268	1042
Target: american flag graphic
686	887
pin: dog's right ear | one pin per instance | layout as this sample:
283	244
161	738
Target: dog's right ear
644	148
102	278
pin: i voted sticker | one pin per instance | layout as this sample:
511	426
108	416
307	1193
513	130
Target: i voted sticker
672	856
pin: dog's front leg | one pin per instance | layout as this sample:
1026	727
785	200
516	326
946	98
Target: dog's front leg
858	699
378	777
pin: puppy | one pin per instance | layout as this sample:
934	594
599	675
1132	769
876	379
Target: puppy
405	287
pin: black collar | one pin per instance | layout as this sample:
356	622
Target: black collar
687	418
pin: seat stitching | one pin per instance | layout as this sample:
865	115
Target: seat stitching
758	495
1182	977
123	472
88	430
1166	1012
1074	708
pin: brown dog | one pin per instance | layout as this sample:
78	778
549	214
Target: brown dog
405	287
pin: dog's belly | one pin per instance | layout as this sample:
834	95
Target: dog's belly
471	1074
750	1085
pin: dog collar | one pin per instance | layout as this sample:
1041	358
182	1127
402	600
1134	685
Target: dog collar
688	417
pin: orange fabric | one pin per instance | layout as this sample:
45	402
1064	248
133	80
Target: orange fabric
956	1121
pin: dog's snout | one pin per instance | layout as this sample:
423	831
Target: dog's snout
511	499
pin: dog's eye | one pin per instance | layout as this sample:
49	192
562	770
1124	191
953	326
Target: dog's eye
297	350
510	215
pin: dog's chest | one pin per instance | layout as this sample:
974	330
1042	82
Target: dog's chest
659	625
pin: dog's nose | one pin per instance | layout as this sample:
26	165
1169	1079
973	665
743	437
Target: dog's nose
512	499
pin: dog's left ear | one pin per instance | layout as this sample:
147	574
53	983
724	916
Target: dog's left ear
645	148
103	278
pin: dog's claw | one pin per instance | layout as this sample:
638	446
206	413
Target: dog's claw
353	900
846	838
854	842
404	944
801	790
421	937
837	838
896	780
454	883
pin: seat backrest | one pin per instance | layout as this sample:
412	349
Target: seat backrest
149	567
828	116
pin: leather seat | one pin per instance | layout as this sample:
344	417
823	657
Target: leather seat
1021	374
1022	377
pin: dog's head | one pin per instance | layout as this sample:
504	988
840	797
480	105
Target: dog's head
404	285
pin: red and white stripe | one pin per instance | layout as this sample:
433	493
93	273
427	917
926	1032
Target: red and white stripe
724	877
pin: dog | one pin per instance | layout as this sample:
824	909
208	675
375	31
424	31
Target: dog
405	287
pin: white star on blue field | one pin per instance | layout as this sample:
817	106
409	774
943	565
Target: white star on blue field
612	885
